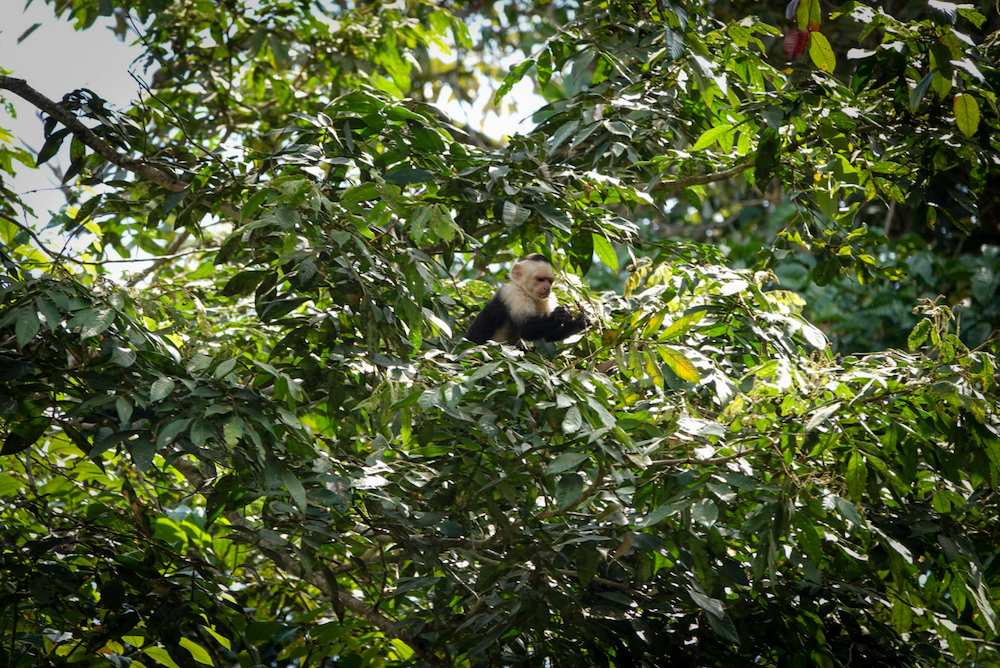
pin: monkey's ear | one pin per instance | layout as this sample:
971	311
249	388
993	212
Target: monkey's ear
515	271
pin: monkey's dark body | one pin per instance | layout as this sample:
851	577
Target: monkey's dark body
499	322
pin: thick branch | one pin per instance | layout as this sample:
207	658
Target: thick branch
138	167
704	179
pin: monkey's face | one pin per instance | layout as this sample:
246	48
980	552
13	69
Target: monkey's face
542	285
534	277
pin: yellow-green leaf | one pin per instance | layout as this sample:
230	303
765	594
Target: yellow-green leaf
198	652
8	485
679	364
160	655
808	15
821	52
682	325
966	114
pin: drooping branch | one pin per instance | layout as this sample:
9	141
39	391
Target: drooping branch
140	168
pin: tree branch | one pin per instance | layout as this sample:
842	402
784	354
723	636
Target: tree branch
286	560
138	167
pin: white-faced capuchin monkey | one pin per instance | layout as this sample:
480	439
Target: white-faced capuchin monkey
525	309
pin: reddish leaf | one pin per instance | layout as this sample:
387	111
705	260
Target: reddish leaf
796	42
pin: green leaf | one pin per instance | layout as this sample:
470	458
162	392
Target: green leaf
555	217
821	52
565	462
96	323
587	559
918	92
918	335
857	476
123	357
516	74
50	314
766	160
363	192
717	616
966	114
143	450
404	176
849	511
8	485
808	15
711	136
243	283
572	421
295	489
682	325
224	368
945	13
821	415
27	326
568	490
124	409
51	147
658	515
161	389
24	435
514	214
564	132
618	128
160	655
543	68
605	251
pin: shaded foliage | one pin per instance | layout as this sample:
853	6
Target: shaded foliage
271	447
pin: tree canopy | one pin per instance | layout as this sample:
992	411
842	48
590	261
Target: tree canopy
267	444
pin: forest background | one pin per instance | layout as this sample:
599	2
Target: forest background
263	441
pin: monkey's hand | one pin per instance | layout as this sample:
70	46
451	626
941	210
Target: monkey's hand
564	316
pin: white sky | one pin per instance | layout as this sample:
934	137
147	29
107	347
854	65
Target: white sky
55	60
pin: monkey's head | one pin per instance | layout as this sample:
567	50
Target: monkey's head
534	275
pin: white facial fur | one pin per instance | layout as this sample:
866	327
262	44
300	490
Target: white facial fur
534	277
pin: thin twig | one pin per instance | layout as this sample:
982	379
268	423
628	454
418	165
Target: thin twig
161	260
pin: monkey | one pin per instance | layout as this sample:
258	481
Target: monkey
525	309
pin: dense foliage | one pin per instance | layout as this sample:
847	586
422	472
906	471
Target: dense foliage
270	446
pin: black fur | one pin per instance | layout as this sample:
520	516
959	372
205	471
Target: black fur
490	319
555	326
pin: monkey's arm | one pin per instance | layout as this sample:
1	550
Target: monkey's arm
490	319
555	326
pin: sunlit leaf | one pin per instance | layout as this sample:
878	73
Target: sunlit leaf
605	251
821	52
966	114
711	136
679	364
821	415
161	389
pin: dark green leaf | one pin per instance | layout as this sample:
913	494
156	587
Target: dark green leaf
24	434
565	462
404	176
568	490
918	92
27	326
516	74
